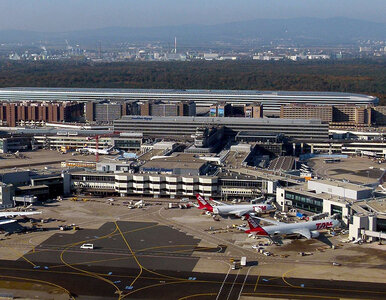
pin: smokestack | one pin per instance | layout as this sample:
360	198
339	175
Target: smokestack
175	44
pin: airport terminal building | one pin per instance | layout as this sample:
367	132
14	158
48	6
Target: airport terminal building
271	100
185	127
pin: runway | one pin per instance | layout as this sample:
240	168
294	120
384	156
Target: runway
143	260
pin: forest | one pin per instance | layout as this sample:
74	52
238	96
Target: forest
354	76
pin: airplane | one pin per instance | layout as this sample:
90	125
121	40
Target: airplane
238	210
99	151
14	214
307	229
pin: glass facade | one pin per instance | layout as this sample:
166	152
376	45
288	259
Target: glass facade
128	144
335	209
305	202
381	224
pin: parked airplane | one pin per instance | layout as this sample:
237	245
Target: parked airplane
223	209
307	229
100	151
14	214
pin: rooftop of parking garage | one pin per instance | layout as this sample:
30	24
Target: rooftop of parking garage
171	164
343	184
303	190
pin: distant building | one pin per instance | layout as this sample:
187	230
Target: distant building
180	164
300	111
211	56
107	111
254	110
352	114
333	114
13	114
168	109
220	110
6	195
379	115
184	127
206	139
15	143
272	100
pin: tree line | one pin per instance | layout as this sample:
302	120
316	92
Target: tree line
354	76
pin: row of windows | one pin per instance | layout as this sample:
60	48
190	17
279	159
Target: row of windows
304	199
158	190
308	207
240	183
93	178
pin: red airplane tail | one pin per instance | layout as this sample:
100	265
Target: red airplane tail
203	204
254	226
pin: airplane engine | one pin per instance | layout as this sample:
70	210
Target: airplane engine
215	210
314	234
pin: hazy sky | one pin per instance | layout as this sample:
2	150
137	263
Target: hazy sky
63	15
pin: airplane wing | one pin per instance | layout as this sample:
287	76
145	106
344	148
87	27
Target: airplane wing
269	221
18	213
218	202
242	228
304	232
3	222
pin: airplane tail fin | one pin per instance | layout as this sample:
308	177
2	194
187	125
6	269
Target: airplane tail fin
253	223
254	226
202	203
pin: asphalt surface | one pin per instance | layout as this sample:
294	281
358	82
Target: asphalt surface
142	260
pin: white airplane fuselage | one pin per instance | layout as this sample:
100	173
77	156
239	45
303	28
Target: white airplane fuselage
231	209
296	228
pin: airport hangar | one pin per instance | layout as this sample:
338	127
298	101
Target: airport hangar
271	100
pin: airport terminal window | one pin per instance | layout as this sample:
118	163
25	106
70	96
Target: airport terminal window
335	209
305	202
381	224
99	178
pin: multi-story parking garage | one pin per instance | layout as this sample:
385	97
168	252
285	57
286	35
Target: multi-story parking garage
271	100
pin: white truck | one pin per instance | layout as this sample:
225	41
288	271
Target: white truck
243	261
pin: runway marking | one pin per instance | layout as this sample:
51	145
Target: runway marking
91	274
94	239
184	280
273	278
257	281
133	255
196	295
285	274
127	256
157	284
222	285
245	279
39	281
302	296
198	281
230	292
21	255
